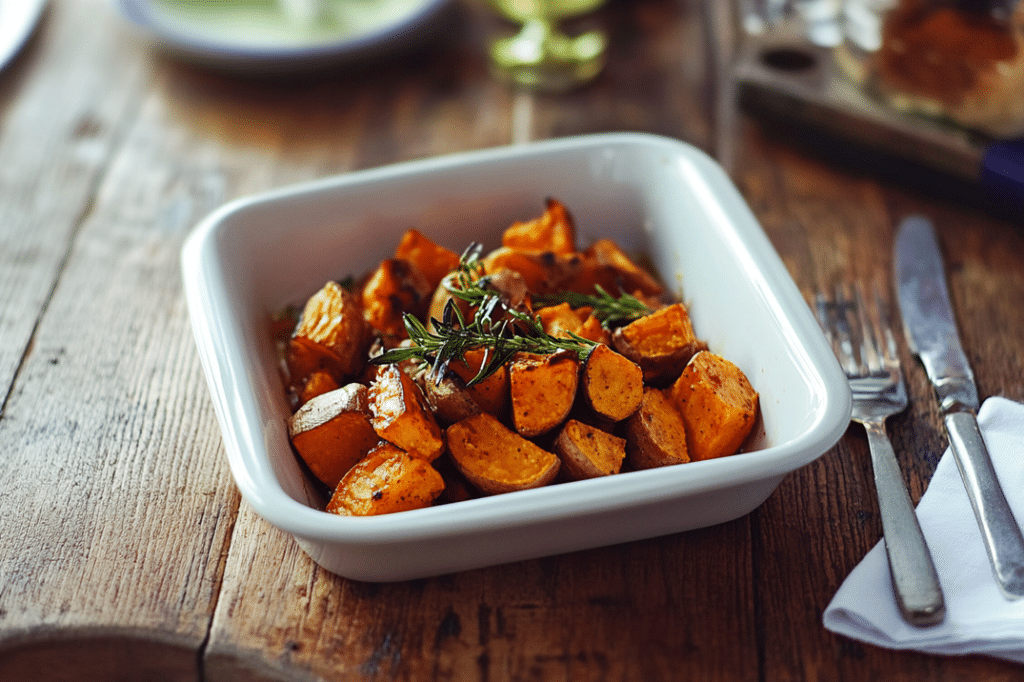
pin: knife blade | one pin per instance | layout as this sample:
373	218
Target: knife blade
931	332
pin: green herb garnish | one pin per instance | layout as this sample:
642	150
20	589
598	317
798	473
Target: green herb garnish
500	330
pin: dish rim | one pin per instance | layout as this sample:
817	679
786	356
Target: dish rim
258	484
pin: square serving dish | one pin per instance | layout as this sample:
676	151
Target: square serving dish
665	198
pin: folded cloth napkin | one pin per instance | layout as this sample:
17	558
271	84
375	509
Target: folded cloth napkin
978	619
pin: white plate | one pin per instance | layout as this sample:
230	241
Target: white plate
255	255
261	35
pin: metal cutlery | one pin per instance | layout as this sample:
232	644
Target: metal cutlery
932	334
867	352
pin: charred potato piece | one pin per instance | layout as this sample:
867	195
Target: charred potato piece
396	287
448	398
717	403
655	434
661	343
553	231
388	480
492	393
400	414
613	385
496	459
543	271
432	260
332	432
588	452
543	389
331	336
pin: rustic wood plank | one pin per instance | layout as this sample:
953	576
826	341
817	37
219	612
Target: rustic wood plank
831	225
115	518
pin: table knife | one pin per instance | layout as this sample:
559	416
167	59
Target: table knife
932	334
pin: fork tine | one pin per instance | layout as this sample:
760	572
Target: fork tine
890	356
871	336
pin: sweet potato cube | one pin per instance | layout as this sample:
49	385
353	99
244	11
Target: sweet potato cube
588	452
496	459
553	231
432	260
559	320
318	384
613	385
396	287
655	434
661	343
606	265
388	480
491	394
717	403
332	319
542	388
593	330
332	432
400	414
543	271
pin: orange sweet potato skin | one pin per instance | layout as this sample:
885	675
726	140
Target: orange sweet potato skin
588	452
396	287
661	343
655	434
717	403
401	416
332	432
613	385
387	481
432	260
496	459
543	390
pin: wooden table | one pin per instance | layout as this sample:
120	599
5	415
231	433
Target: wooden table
125	552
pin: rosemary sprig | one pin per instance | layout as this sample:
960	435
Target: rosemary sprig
500	330
611	311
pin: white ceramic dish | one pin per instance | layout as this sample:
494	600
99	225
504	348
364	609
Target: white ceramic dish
255	255
264	36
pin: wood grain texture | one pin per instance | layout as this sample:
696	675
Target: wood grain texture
125	551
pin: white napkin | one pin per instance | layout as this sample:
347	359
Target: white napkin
978	619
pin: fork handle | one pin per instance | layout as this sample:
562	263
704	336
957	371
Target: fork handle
914	579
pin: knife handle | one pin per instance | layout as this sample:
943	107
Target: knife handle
999	529
915	581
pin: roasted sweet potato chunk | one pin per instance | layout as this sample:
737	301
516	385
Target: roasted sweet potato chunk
588	452
400	414
388	480
543	271
717	403
396	287
613	385
317	384
661	343
432	260
606	265
332	432
449	399
496	459
543	389
655	434
553	231
491	394
331	336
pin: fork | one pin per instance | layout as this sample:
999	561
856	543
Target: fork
867	352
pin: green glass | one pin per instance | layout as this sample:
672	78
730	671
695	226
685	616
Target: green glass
541	55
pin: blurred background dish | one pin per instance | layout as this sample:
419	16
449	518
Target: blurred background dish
282	35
